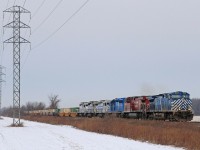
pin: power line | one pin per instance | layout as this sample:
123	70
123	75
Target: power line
7	7
47	16
24	3
7	3
34	14
37	10
5	30
10	14
52	34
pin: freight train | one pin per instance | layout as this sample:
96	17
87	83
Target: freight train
174	106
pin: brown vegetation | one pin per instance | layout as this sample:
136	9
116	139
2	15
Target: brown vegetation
179	134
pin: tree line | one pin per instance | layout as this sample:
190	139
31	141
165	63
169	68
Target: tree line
196	106
29	106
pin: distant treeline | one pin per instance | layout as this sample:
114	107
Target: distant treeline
53	103
8	111
196	106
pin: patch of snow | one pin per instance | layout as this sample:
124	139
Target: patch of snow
40	136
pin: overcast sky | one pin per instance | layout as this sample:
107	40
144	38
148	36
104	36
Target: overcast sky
111	48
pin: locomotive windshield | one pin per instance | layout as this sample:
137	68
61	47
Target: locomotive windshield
187	96
176	96
180	96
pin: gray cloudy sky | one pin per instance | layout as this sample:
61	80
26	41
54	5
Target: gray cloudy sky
111	48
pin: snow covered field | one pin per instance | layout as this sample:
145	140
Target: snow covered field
196	118
39	136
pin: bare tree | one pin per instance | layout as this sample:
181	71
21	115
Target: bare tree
41	106
53	101
29	106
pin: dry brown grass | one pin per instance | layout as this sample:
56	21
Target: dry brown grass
179	134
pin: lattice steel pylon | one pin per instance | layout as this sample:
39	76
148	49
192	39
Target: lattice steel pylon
16	40
1	81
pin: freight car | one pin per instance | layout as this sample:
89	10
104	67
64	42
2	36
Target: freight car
67	112
175	106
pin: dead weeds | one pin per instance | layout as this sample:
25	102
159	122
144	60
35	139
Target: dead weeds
179	134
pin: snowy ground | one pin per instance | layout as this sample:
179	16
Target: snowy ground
196	119
38	136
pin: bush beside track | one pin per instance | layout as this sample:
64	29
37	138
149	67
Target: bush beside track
179	134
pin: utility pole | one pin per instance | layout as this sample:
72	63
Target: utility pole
1	81
16	41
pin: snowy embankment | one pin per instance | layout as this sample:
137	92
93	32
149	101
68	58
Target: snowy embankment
39	136
196	119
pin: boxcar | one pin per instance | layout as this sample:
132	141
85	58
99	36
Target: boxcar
64	112
74	111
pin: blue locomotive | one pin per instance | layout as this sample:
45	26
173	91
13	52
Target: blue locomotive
174	106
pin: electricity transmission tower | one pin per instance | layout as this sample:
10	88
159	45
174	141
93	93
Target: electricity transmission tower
16	40
1	81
